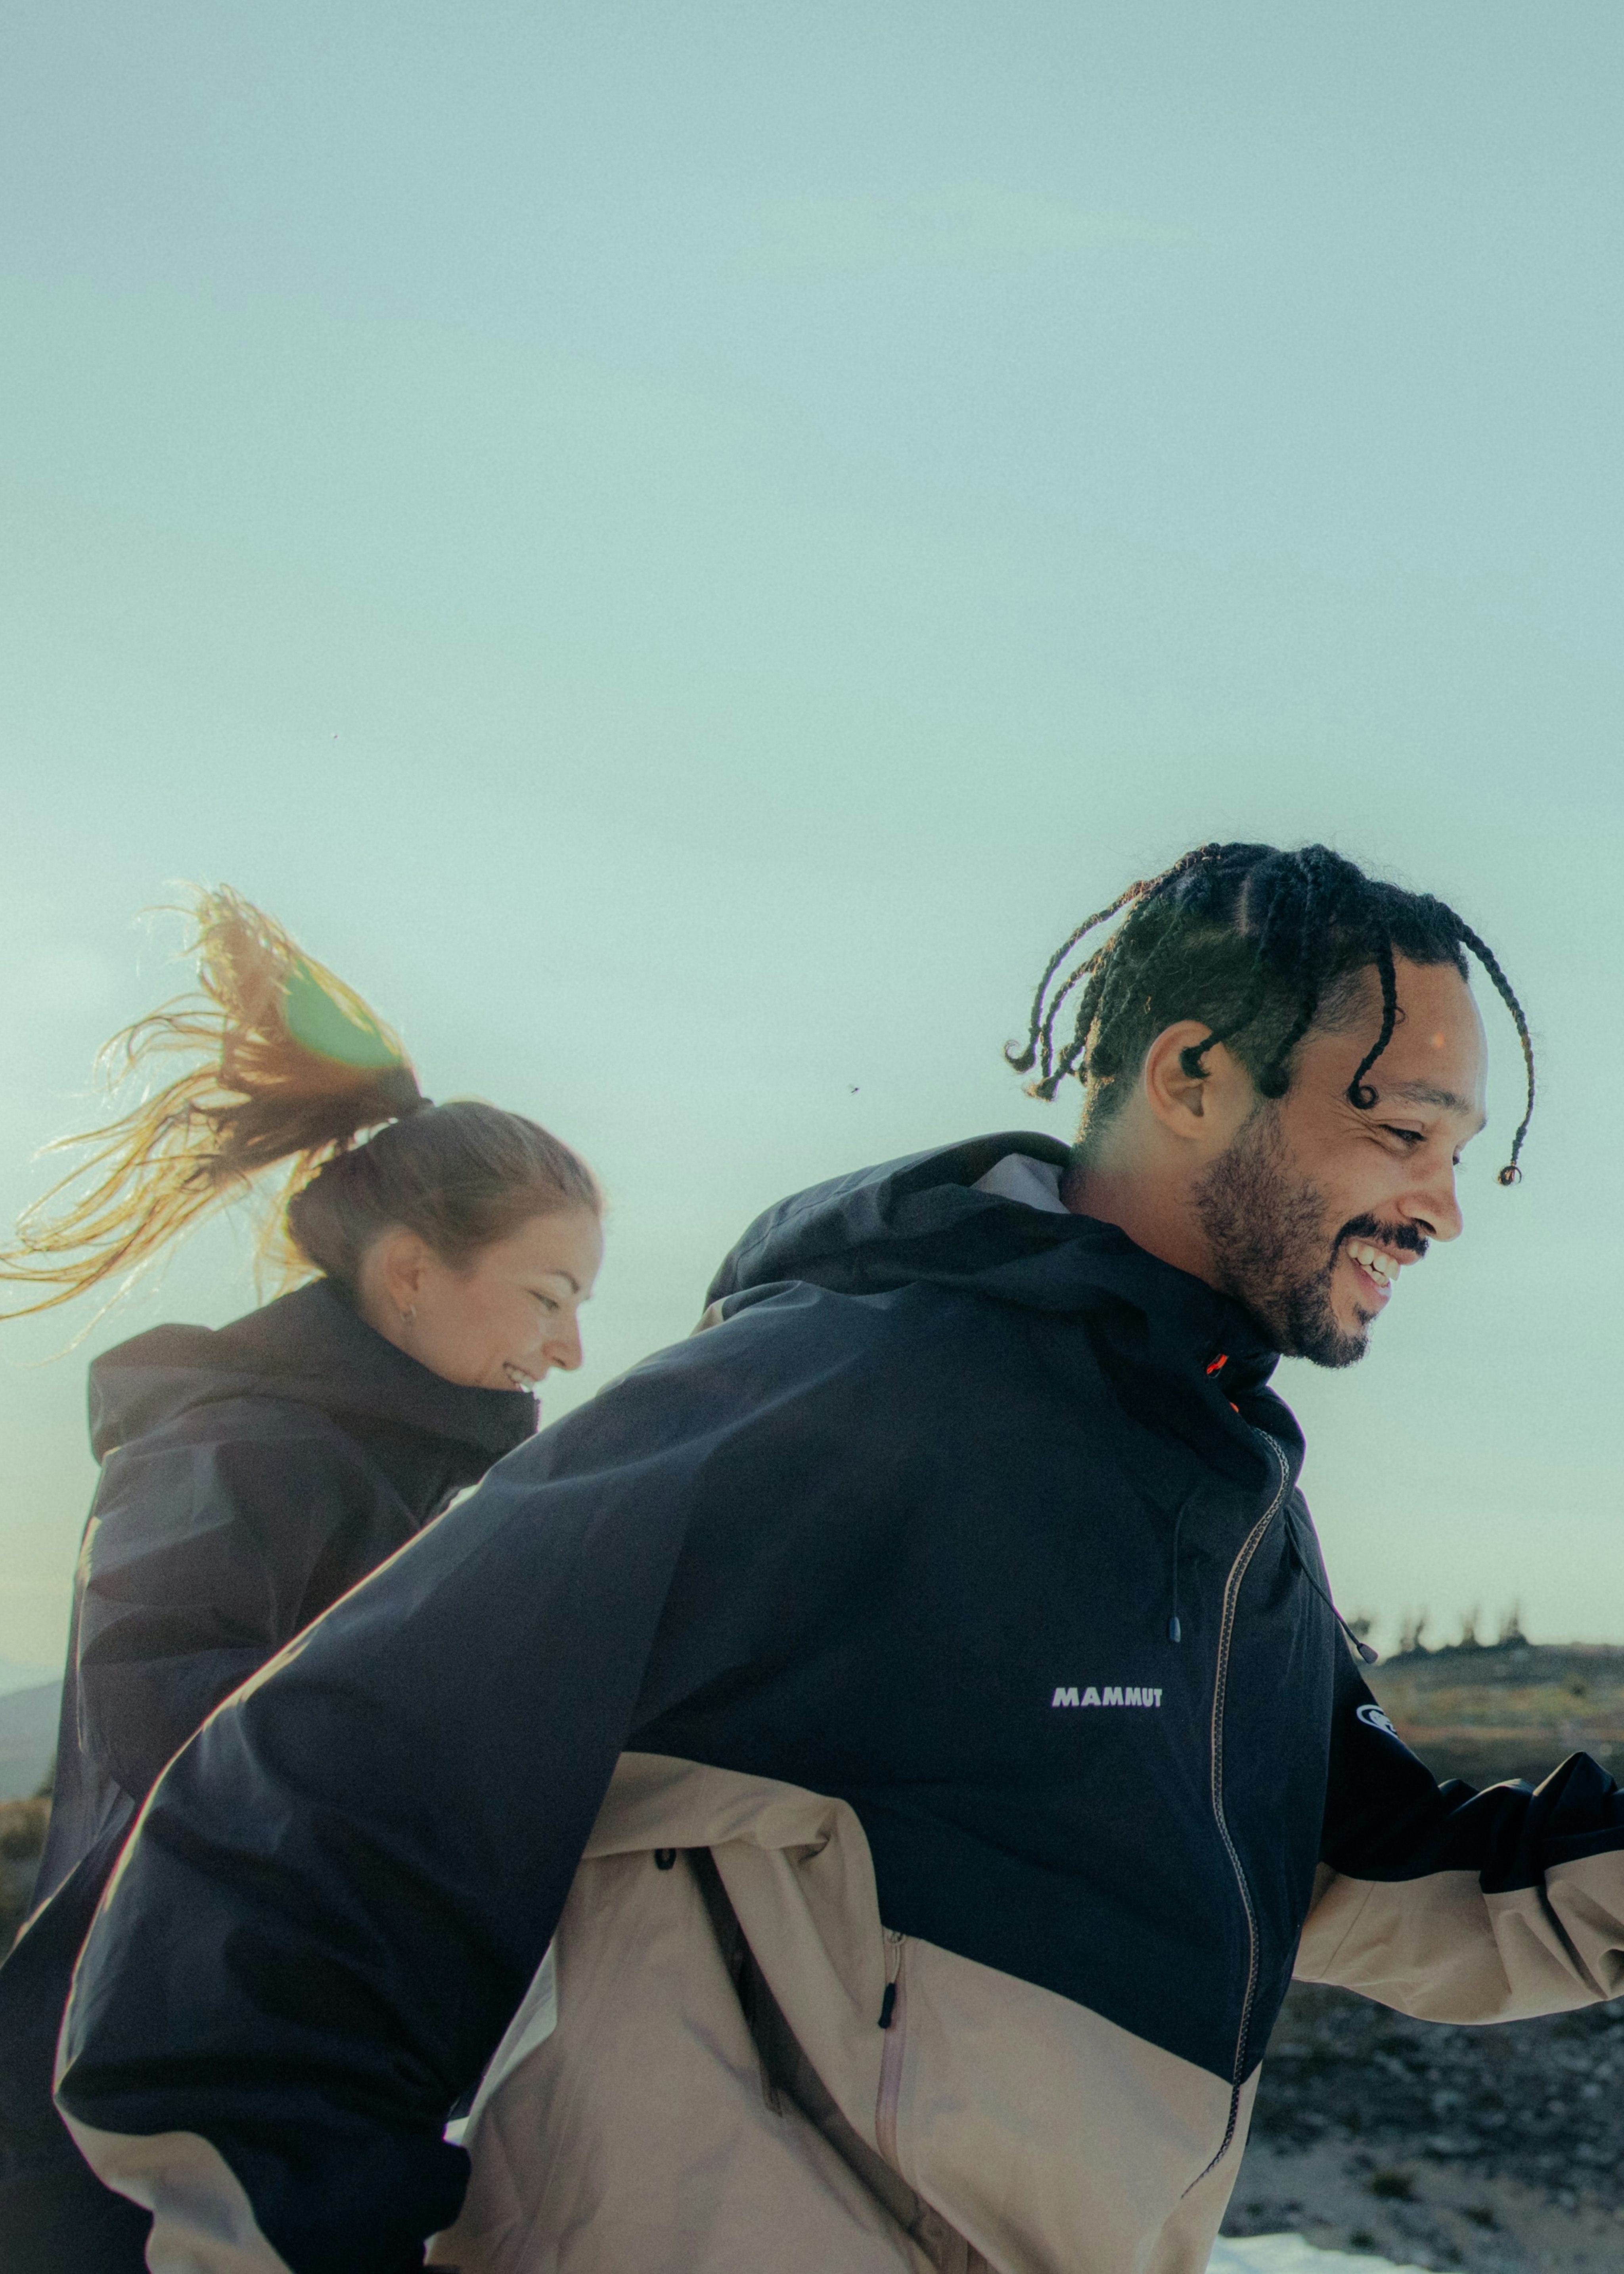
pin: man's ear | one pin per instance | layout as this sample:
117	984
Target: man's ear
1195	1107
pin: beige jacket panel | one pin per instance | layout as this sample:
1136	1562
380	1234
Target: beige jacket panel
203	2222
641	2137
1440	1949
1031	2135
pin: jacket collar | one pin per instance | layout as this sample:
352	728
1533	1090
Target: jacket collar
921	1219
310	1348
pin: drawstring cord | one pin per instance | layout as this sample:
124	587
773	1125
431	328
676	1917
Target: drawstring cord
1369	1655
1175	1632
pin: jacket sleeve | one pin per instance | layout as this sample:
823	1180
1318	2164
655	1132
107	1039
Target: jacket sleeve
341	1889
201	1561
1462	1906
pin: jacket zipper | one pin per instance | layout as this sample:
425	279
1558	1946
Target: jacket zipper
893	2012
1232	1595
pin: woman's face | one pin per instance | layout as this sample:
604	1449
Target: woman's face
498	1322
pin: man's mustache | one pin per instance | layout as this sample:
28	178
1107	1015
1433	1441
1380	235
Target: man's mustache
1403	1237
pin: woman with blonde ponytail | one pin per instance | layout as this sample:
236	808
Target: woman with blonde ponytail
251	1475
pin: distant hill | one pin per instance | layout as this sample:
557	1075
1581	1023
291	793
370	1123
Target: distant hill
27	1738
1485	1712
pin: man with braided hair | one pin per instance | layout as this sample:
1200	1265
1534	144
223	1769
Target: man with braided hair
853	1795
1237	968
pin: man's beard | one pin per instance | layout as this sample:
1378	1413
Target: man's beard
1265	1224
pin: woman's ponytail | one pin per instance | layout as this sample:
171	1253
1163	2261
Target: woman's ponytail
287	1063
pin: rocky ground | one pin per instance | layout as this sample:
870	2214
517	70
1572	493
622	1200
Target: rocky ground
1497	2151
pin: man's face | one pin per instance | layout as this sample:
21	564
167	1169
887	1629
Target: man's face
1317	1206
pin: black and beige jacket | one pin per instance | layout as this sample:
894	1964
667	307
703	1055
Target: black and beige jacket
915	1705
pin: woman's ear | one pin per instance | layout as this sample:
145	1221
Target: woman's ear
404	1260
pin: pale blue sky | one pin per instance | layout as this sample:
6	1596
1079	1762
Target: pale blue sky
681	548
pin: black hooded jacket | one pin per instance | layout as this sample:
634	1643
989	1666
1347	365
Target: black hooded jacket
250	1476
967	1511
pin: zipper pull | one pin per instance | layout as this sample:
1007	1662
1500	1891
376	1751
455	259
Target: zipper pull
894	1968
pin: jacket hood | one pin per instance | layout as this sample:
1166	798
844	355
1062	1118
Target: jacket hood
310	1348
921	1219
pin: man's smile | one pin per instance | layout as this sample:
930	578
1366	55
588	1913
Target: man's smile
1376	1267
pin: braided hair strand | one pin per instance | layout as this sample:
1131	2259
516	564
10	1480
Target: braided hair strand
1252	941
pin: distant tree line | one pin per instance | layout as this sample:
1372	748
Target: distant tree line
1416	1625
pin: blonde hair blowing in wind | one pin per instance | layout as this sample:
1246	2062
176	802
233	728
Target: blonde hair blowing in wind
276	1060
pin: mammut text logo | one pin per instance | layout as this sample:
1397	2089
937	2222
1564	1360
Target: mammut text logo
1113	1695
